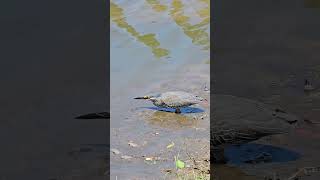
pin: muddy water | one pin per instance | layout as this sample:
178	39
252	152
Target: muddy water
265	53
157	46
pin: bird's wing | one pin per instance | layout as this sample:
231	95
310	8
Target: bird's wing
174	99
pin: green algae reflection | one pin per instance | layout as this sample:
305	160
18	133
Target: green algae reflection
196	32
117	16
157	6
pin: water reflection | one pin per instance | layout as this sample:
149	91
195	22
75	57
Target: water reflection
196	32
117	16
251	153
157	6
170	120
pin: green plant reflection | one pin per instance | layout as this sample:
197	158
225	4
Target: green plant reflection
196	32
117	16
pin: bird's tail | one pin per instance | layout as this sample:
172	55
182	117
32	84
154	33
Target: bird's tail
101	115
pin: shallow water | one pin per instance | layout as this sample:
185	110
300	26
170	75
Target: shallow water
266	57
153	43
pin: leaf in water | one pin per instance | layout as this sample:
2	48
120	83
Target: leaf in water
179	163
170	145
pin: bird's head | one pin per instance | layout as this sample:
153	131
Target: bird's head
150	97
143	97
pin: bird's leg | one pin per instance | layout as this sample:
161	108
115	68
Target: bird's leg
178	111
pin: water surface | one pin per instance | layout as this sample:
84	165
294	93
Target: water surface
153	43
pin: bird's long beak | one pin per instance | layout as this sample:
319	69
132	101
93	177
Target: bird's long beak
142	97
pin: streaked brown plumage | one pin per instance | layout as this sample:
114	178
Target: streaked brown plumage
174	99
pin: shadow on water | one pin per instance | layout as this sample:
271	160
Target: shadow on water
186	110
170	120
247	153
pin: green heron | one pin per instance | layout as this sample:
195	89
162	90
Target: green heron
173	99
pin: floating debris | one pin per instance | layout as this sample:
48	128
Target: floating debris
155	133
152	158
149	159
115	151
168	170
170	145
132	144
126	157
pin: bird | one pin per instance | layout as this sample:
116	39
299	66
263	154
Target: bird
173	99
237	121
